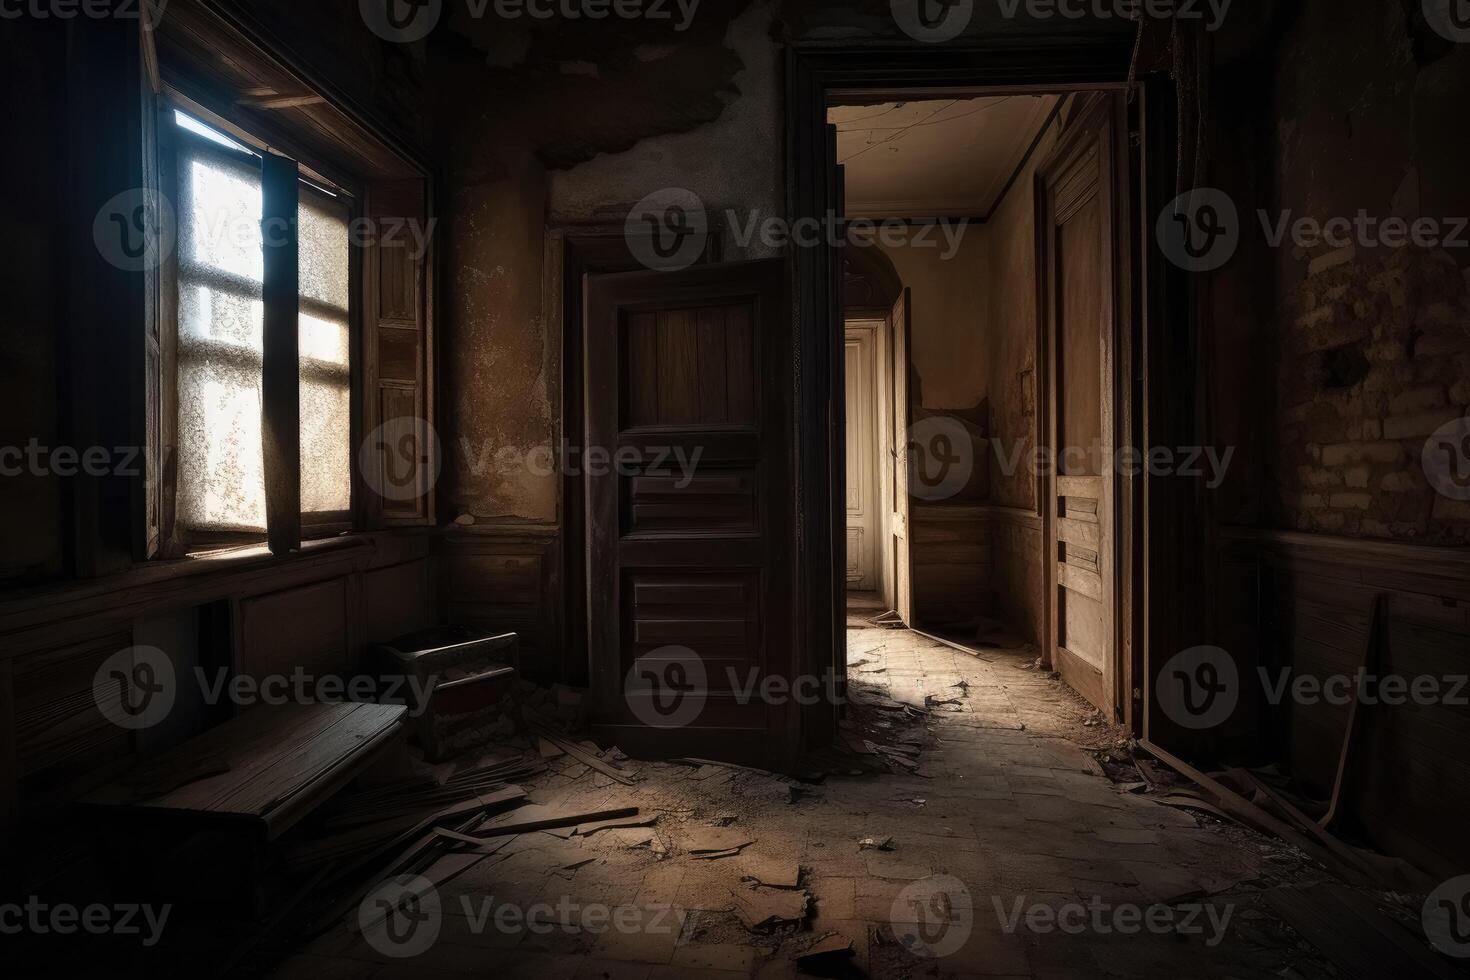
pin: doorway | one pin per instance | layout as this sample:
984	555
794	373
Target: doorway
1021	543
869	419
932	545
1082	301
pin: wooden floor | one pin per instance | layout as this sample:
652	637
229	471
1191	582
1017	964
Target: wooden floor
1006	811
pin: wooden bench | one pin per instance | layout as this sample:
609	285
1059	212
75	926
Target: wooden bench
266	769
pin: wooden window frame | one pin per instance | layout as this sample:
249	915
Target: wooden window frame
212	64
287	525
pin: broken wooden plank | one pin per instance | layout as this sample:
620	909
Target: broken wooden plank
770	871
1306	823
763	909
1184	801
716	855
717	764
617	823
589	758
484	845
484	799
553	820
706	840
418	856
1355	712
473	809
1246	812
826	953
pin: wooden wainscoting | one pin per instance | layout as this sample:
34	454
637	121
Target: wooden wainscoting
1408	777
318	610
1018	554
508	579
952	563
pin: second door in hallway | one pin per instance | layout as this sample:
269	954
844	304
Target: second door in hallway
1078	294
864	506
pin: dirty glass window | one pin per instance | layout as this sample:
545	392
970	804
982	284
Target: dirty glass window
221	471
326	378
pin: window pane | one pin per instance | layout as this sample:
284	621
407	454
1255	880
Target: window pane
221	474
326	380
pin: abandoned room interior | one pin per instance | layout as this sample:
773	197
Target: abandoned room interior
736	488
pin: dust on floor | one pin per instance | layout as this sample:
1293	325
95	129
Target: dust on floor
1002	851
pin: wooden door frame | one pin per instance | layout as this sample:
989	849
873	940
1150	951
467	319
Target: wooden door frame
815	74
1102	109
763	283
878	325
573	251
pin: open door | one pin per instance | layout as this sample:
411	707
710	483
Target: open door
1076	240
690	511
903	577
865	401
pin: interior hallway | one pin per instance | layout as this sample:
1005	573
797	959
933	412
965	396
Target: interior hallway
1002	798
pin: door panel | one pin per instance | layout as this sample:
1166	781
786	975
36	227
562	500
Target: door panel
863	522
690	533
1078	295
899	323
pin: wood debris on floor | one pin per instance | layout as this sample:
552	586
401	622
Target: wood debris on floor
972	771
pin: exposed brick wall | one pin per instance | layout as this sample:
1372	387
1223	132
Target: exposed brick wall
1372	341
1376	358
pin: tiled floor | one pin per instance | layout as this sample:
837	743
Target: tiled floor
1011	855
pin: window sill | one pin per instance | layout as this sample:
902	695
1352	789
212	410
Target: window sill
33	619
221	556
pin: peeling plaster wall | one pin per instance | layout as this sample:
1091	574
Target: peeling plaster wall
499	418
569	123
735	163
611	115
502	375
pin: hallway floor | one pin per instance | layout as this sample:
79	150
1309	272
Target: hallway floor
1005	853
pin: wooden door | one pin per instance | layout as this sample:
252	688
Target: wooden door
691	526
1075	215
864	399
898	328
